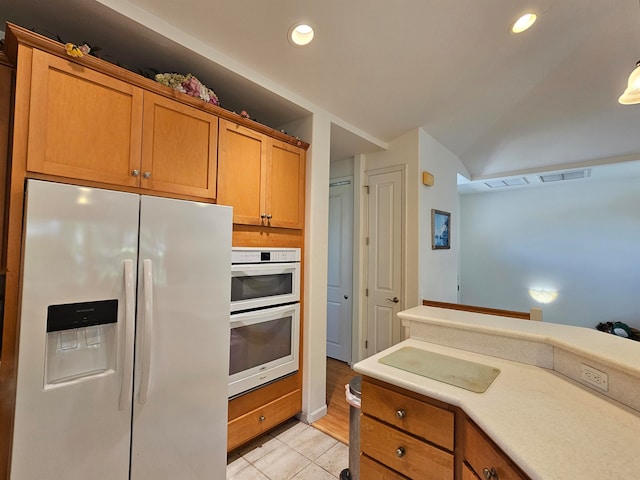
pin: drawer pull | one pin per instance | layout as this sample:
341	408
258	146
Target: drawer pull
400	452
262	420
401	413
490	474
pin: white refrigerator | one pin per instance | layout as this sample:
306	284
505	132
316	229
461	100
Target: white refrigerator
124	337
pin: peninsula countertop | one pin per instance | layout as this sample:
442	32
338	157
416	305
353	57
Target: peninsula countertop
553	427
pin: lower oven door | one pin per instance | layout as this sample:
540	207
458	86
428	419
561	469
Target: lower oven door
264	346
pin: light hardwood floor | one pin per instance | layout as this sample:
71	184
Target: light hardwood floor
336	422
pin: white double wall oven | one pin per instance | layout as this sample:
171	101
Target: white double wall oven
265	316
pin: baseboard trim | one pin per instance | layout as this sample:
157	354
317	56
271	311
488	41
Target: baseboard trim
314	416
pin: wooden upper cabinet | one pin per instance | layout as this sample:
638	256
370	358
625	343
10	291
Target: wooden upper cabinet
82	124
90	126
242	159
262	178
285	185
179	148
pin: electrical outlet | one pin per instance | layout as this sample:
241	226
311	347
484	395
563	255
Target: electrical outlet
594	377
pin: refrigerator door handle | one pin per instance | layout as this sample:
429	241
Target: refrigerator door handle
129	325
147	269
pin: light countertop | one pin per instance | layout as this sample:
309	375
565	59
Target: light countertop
553	427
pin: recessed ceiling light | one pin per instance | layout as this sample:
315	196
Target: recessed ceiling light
301	34
524	22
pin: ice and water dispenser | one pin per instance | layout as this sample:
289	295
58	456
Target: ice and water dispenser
81	340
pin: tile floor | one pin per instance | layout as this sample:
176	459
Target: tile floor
293	451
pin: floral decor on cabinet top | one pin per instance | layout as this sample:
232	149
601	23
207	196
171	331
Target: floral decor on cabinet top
188	84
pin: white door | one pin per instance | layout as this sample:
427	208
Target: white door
384	264
182	341
68	419
339	272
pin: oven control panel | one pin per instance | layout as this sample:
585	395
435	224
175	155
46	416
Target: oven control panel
270	255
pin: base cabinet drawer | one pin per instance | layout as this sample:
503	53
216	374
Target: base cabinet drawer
414	416
370	469
485	458
258	421
404	453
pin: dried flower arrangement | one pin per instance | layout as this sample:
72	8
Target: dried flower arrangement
188	84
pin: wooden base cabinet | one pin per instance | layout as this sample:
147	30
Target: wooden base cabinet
262	419
371	469
261	177
406	433
485	459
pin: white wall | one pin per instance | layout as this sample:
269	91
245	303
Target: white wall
341	168
579	237
438	268
314	405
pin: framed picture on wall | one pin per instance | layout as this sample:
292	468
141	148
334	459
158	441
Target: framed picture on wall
440	229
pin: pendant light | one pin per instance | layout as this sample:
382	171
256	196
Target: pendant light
631	95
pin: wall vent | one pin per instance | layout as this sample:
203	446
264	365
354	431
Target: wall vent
559	176
508	182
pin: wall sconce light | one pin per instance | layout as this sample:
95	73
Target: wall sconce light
543	296
427	179
631	94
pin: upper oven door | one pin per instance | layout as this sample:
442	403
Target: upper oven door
263	285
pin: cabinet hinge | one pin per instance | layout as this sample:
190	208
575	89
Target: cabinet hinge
366	292
366	344
367	242
366	189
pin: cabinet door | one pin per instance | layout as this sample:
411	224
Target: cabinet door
242	157
285	185
82	124
468	473
484	457
179	148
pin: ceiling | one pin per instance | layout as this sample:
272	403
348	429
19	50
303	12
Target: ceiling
504	104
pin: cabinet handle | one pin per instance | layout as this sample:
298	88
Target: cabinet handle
400	452
146	174
269	217
263	215
135	173
401	413
490	474
262	420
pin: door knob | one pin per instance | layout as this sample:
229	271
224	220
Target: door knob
394	299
